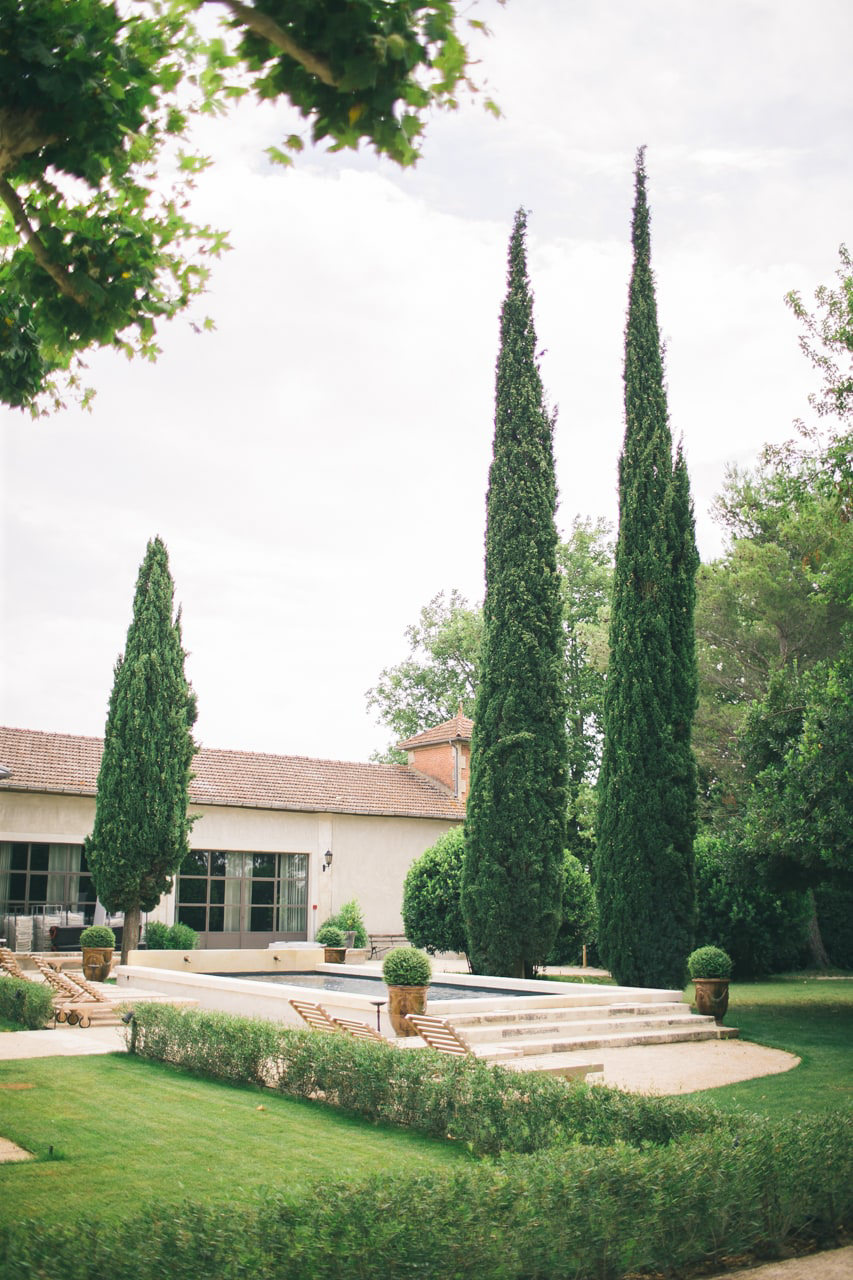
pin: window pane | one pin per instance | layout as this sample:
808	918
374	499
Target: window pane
263	891
39	854
217	891
192	890
217	864
263	864
195	863
38	889
18	887
193	916
261	920
216	917
20	856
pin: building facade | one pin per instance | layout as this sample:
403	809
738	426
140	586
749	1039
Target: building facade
279	842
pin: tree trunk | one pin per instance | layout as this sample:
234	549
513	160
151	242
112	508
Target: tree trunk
130	932
817	951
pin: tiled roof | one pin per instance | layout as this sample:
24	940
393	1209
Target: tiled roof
68	764
451	731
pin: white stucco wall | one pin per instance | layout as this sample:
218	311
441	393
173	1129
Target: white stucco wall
370	855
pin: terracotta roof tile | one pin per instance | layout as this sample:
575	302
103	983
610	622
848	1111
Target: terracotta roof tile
450	731
68	764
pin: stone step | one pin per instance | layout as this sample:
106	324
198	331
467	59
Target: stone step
494	1018
619	1040
557	1030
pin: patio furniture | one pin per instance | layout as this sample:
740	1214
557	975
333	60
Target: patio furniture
319	1020
74	1003
9	964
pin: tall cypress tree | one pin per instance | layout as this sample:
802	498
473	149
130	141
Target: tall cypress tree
141	824
515	828
644	856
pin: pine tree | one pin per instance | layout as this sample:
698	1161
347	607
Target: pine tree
141	824
644	857
515	828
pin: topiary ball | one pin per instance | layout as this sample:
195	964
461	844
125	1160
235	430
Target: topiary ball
709	962
97	935
406	967
329	935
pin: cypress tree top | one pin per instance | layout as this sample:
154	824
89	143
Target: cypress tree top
515	828
644	860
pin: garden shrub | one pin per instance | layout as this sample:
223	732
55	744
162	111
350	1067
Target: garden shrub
709	962
29	1004
97	935
578	927
487	1108
764	930
349	919
156	935
329	935
554	1215
432	910
406	967
164	937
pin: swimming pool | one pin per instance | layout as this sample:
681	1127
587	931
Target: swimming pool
360	985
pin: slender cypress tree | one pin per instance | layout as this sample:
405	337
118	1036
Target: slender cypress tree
515	828
644	856
141	824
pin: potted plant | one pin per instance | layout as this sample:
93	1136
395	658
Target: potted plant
98	943
407	972
331	939
710	968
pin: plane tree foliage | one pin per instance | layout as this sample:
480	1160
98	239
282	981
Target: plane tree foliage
98	244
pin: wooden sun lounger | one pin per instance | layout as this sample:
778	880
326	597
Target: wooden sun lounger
74	1004
360	1030
9	964
319	1020
440	1035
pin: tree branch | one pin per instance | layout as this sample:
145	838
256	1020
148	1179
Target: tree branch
58	274
20	134
265	26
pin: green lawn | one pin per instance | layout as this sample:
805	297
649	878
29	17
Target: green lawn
125	1131
811	1017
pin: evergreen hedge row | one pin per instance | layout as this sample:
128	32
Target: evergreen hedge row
490	1109
29	1004
557	1215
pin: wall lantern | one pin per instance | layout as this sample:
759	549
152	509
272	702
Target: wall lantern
327	859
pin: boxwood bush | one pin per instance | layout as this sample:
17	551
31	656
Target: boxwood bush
29	1004
709	962
329	935
97	935
554	1215
406	967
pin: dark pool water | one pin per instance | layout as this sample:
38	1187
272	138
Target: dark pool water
361	986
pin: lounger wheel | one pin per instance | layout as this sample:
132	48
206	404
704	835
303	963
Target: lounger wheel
85	1020
61	1015
73	1018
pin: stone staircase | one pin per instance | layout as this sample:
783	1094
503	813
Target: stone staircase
591	1019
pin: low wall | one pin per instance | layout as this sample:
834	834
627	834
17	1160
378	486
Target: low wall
251	960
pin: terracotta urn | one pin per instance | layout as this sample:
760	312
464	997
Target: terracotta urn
403	1000
97	962
712	996
334	955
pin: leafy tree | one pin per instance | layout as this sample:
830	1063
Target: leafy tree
578	925
96	103
828	342
439	675
644	859
516	820
443	664
141	824
432	909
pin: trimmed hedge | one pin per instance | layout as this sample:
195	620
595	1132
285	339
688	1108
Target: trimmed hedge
490	1109
29	1004
556	1215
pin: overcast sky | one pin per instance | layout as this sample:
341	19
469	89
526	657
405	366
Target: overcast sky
318	465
